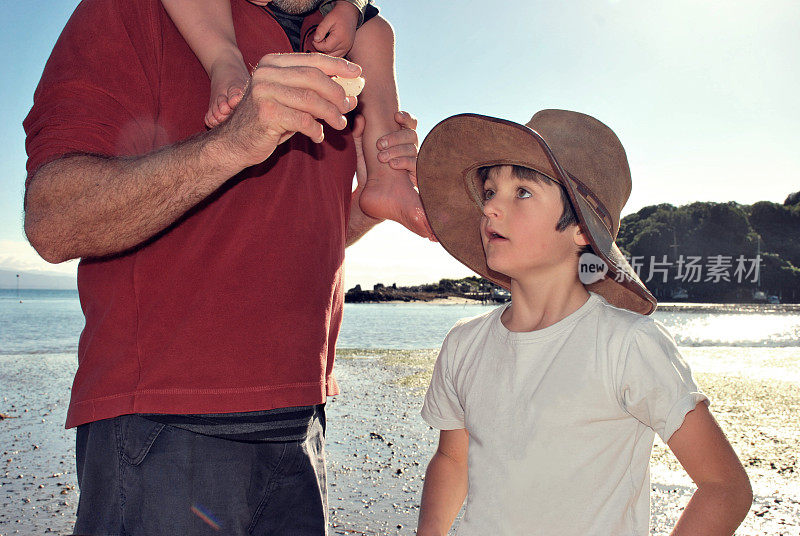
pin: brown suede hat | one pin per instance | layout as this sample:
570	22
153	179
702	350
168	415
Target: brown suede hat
573	149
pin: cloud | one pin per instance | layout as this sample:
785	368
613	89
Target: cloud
19	255
387	254
391	254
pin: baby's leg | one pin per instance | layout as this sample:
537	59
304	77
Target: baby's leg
388	193
207	26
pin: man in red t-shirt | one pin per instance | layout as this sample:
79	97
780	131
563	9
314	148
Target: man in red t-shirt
211	265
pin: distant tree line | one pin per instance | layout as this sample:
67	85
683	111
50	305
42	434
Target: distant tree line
726	237
469	287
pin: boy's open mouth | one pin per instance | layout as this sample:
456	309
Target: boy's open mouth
491	234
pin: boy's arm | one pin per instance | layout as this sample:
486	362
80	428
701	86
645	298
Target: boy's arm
445	484
723	495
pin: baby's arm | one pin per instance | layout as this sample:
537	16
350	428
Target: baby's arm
723	495
445	484
207	26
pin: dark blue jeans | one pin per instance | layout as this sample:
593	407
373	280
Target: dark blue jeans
138	477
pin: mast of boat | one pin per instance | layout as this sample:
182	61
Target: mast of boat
758	261
674	245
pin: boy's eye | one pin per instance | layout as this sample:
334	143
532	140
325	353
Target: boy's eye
522	193
488	194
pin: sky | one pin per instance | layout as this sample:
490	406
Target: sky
699	92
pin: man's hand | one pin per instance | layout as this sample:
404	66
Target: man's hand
398	149
288	93
88	206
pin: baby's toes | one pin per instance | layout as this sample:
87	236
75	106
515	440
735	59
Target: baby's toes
235	96
211	121
222	109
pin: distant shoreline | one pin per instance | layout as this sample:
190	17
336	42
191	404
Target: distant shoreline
686	307
478	290
671	307
668	307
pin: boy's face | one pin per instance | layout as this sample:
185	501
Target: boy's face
518	227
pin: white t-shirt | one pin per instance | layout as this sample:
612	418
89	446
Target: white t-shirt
561	420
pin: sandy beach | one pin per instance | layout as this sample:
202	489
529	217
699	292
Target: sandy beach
378	445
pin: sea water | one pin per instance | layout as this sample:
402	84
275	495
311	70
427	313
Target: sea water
39	333
50	321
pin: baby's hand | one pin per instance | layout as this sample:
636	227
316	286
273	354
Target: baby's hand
337	31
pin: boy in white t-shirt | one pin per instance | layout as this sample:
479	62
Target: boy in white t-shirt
548	406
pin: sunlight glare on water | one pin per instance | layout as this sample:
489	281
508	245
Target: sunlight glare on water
752	329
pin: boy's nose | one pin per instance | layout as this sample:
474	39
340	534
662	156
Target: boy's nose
491	208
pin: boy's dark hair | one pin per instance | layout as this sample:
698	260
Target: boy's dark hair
568	216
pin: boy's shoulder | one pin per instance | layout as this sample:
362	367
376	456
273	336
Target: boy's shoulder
616	322
618	315
473	323
625	326
472	328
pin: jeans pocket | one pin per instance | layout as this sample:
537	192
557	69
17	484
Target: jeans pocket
135	437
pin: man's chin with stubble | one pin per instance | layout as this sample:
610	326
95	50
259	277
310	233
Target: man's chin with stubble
293	7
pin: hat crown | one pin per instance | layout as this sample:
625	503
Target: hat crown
589	151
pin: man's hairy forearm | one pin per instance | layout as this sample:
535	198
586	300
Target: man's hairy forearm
93	206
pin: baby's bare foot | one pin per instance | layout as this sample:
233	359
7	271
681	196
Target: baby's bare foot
229	77
393	197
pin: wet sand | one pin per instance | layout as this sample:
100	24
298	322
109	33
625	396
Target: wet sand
378	446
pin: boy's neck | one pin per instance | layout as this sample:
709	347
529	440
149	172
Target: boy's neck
538	303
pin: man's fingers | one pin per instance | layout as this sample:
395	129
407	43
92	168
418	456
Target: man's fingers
406	120
309	78
327	64
293	93
398	151
406	163
291	120
401	137
299	99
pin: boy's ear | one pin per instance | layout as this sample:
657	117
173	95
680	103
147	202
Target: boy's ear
580	237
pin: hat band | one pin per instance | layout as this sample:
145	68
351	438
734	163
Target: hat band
594	202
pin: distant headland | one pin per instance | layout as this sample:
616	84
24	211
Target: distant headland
703	252
471	288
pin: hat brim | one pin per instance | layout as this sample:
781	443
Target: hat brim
452	199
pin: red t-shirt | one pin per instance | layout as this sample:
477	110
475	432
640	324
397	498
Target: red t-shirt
237	305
